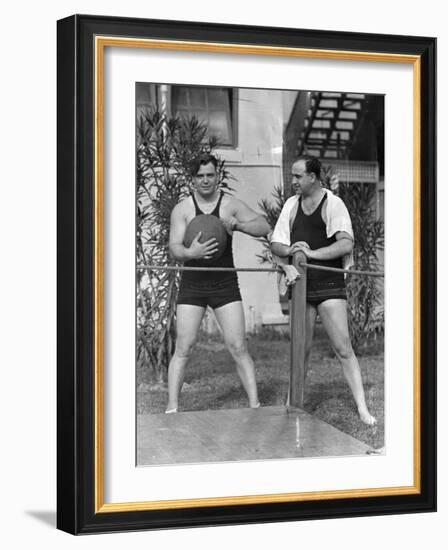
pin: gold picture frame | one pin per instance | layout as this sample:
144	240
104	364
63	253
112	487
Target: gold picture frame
82	41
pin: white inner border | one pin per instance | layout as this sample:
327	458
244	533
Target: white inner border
123	481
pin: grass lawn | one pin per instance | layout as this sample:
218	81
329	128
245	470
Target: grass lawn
211	382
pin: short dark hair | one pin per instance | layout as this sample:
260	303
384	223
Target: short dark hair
202	160
312	165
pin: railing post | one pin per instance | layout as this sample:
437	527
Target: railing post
297	328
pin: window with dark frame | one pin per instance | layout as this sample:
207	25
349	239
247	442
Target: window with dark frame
213	106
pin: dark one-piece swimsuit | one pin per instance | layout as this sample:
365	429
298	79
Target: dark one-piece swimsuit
210	288
321	285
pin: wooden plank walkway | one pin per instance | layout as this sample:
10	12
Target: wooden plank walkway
239	434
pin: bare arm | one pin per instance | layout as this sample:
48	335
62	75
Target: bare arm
290	272
281	250
197	250
342	246
246	220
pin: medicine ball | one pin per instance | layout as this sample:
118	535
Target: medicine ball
211	227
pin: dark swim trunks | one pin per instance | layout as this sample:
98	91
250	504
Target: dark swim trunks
215	295
319	291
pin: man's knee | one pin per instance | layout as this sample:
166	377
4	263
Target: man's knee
184	349
237	348
343	349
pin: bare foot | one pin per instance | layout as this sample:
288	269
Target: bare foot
367	418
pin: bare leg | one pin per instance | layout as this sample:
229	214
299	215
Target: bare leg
334	317
231	320
188	321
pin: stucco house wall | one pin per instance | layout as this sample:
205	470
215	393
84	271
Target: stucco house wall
256	164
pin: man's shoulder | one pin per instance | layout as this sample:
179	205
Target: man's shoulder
334	201
184	203
183	207
337	217
290	204
231	202
291	201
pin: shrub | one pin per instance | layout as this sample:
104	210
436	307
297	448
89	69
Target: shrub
166	147
365	294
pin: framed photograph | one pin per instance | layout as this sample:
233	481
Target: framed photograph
246	274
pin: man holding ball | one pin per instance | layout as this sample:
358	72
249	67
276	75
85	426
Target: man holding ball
217	289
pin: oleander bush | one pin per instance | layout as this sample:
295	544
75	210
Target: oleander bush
166	147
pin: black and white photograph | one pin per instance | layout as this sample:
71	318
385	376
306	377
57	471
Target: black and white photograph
260	249
197	352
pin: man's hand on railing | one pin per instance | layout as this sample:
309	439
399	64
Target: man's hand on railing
291	274
287	278
299	246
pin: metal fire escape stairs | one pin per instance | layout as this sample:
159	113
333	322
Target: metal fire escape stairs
331	124
327	125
